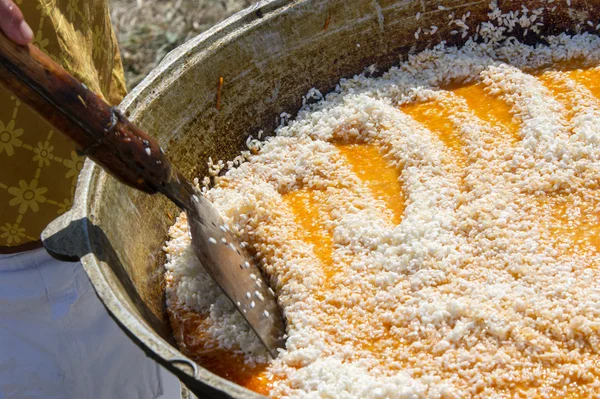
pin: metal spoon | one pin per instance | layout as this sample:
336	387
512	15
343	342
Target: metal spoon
102	133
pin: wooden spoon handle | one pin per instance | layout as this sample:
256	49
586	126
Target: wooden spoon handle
98	129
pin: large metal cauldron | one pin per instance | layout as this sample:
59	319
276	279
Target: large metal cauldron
269	56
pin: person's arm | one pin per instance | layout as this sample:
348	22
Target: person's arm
12	23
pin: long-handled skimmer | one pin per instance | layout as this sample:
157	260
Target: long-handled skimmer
132	156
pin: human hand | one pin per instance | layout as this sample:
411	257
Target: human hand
12	23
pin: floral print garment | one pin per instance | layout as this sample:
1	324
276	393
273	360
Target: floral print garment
38	166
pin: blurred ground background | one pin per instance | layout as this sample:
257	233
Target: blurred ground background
148	29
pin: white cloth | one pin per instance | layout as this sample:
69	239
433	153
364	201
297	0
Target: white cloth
57	340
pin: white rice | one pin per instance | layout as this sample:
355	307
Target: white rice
471	293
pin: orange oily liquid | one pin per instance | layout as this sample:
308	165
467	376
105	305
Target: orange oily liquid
490	108
190	328
311	213
560	87
435	117
574	223
379	177
559	90
310	209
590	78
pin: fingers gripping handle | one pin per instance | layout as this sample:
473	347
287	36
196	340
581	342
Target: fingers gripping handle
99	130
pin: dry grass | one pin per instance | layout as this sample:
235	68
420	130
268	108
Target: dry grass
148	29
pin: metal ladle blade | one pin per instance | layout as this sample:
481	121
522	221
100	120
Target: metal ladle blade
230	265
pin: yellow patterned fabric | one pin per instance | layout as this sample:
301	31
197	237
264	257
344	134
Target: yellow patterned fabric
38	166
